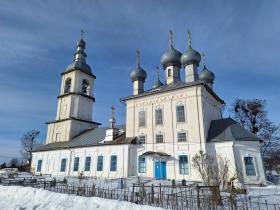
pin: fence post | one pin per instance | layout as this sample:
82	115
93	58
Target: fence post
159	192
198	201
132	193
152	192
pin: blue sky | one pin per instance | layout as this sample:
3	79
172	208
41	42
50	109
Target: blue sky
240	38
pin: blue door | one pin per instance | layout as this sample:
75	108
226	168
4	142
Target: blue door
160	169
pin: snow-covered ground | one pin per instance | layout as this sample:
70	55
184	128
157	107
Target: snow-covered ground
18	198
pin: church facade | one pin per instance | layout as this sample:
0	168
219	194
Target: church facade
166	126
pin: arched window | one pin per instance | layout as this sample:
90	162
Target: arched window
169	72
67	85
85	87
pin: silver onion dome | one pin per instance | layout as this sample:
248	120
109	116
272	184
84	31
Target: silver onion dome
138	73
79	62
190	56
207	76
171	56
158	83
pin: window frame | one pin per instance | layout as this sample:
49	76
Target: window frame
113	163
169	74
39	165
141	165
67	85
88	163
184	168
99	165
178	136
179	114
156	140
250	169
141	136
76	164
141	123
158	122
64	164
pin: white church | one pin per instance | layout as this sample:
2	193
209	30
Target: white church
166	125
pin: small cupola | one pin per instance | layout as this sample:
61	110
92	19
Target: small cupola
171	62
138	76
191	56
80	56
112	132
171	57
206	75
158	83
190	61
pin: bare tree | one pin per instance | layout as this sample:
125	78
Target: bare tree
213	171
251	114
29	143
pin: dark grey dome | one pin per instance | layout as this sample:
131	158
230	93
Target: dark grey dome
138	74
207	76
171	57
79	65
190	57
80	59
157	84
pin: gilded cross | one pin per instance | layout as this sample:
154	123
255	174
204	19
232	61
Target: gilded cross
82	34
171	38
138	56
189	38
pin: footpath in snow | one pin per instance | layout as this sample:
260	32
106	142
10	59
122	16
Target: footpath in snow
17	198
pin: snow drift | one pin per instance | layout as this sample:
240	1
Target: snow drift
16	198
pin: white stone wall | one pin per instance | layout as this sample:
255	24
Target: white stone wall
172	162
211	110
51	161
252	149
190	97
235	152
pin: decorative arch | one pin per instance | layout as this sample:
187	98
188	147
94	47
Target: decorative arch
67	85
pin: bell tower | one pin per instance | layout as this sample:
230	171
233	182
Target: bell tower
75	101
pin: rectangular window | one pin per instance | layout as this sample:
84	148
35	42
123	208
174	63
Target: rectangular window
63	165
182	136
76	164
183	164
100	163
142	120
159	138
39	165
87	163
180	113
158	117
249	166
141	165
141	139
113	164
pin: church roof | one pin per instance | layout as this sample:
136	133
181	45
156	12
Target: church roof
229	130
174	86
89	138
